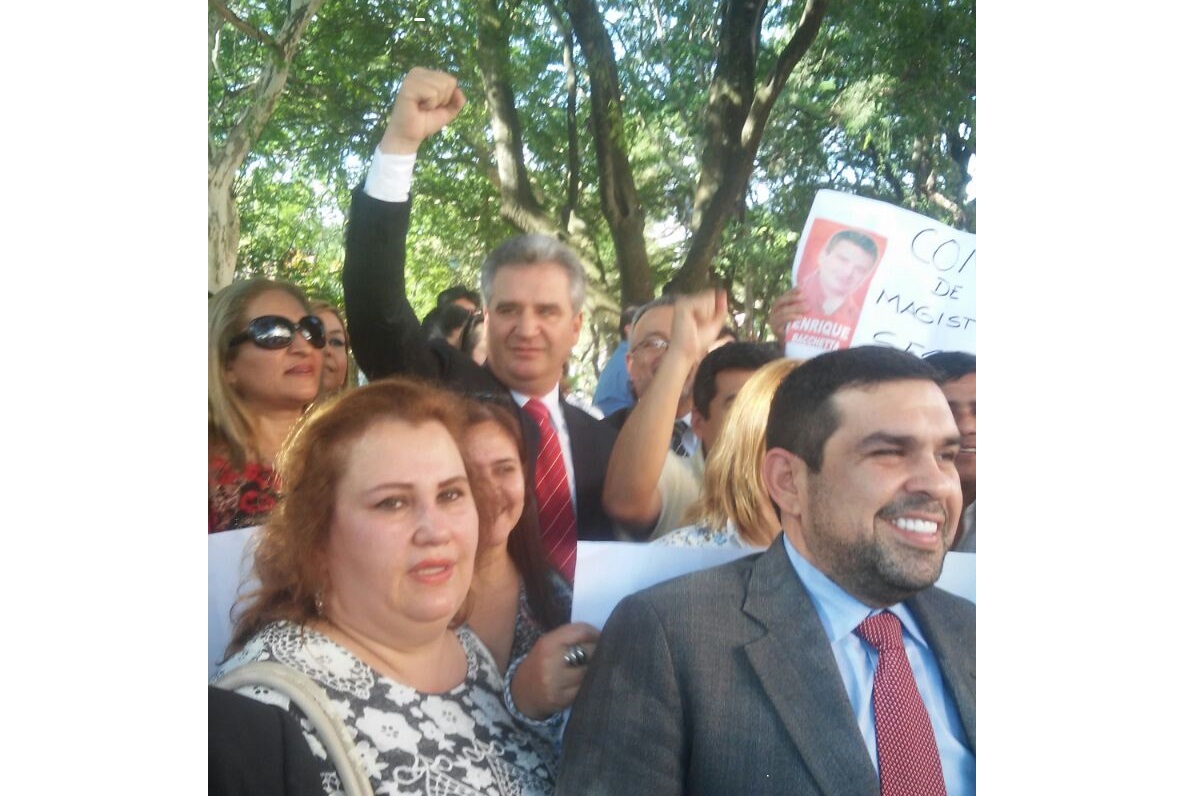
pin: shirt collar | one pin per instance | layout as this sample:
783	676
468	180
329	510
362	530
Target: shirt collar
550	400
839	611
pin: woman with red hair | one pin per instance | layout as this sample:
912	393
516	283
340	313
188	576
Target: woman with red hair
364	573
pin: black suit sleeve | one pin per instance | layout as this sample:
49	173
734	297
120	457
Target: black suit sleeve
257	750
592	443
386	336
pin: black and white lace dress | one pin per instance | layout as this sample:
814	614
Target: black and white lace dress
460	743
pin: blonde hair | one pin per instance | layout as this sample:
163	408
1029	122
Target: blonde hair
230	423
351	367
732	485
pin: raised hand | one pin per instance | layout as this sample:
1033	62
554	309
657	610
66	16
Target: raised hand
426	102
545	682
697	321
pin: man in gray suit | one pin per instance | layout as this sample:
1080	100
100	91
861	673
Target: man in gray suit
756	677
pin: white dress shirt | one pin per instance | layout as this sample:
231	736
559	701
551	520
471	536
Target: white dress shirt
841	614
389	178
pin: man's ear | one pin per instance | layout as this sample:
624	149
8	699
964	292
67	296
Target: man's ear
697	421
578	322
783	474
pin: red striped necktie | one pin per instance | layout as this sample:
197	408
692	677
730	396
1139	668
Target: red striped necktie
557	518
905	746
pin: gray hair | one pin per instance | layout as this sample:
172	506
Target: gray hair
531	250
661	301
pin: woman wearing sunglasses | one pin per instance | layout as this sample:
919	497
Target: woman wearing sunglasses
265	369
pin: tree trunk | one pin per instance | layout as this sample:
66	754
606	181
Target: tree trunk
518	203
618	193
519	206
567	214
737	116
226	158
223	228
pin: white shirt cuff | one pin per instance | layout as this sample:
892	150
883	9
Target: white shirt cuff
389	179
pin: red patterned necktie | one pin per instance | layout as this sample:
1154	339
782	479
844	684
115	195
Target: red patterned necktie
557	518
905	746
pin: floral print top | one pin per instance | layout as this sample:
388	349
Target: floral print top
240	499
703	536
527	628
462	742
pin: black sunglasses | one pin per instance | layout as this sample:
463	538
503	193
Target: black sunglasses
275	331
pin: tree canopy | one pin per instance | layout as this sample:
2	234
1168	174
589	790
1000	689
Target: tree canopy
666	141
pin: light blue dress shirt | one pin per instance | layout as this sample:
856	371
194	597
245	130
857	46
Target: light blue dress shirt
613	391
841	614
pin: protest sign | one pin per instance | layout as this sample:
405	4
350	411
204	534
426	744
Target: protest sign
607	572
231	554
874	274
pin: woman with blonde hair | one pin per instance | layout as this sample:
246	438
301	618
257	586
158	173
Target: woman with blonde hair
364	574
264	369
339	371
734	509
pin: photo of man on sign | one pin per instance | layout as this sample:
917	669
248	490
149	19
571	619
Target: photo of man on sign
833	271
835	287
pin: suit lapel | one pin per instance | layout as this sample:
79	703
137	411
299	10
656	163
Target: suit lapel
531	432
953	643
572	423
797	670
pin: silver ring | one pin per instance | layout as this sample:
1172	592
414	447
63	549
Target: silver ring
575	656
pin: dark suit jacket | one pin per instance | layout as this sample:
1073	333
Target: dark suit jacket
617	419
723	682
387	339
257	750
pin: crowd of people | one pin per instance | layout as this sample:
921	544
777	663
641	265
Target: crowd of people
415	555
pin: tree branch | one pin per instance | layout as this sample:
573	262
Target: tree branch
791	55
619	199
721	188
245	27
573	137
885	168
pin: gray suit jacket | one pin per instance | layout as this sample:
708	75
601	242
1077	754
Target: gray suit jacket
723	682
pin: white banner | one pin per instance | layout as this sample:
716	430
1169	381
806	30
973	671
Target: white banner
874	274
231	556
607	572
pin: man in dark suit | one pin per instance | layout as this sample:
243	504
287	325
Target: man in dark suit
533	288
756	677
